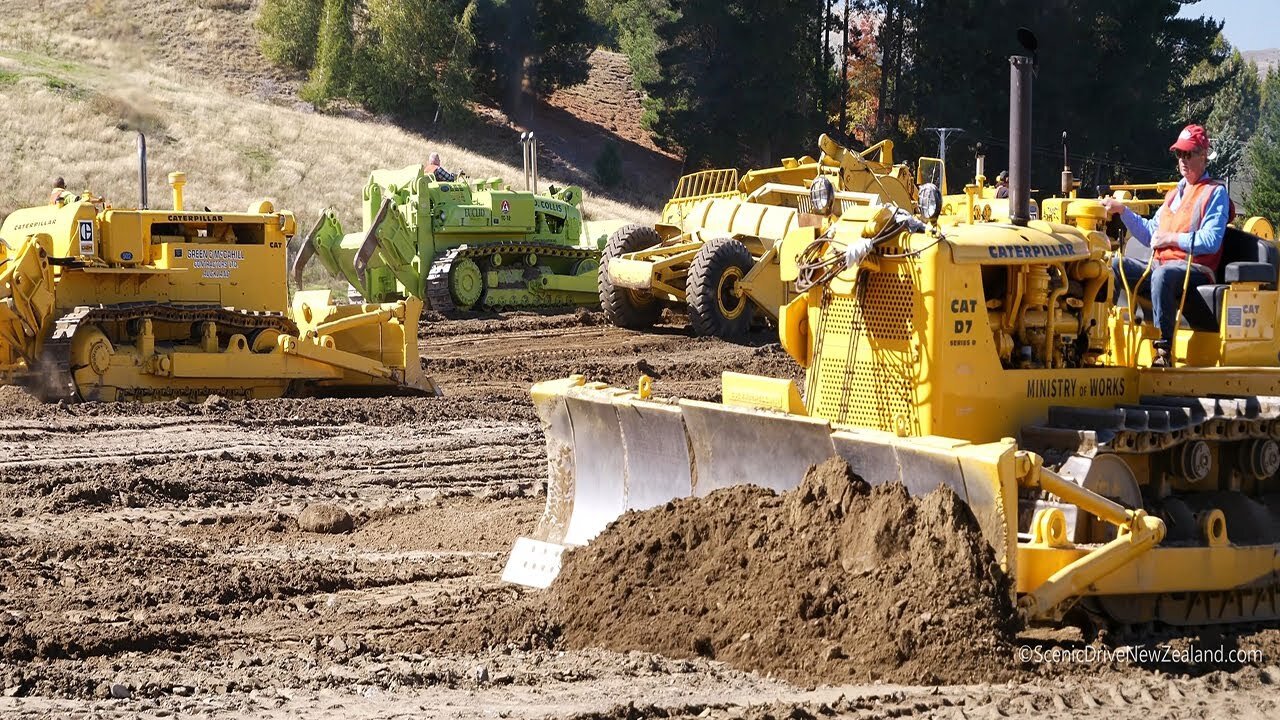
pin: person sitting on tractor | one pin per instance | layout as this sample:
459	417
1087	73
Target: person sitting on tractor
1191	222
58	195
437	171
1002	184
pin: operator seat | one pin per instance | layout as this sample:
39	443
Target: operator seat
1245	258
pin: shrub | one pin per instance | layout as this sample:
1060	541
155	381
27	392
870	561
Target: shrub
609	165
289	29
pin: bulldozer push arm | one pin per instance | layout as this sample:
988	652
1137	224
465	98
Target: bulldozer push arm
387	242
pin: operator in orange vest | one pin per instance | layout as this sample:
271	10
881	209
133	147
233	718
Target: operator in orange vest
1191	221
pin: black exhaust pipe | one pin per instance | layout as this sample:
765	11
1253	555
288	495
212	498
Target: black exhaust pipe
1020	139
142	171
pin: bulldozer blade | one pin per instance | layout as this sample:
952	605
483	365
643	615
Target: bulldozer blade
609	451
533	563
736	446
659	468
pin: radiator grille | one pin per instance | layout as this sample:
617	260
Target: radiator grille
866	366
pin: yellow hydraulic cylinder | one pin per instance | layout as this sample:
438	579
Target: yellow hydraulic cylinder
372	317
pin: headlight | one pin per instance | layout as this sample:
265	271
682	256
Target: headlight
930	204
821	194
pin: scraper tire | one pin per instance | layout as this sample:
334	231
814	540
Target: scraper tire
625	307
714	307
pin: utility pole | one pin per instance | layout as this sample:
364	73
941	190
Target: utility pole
943	132
844	76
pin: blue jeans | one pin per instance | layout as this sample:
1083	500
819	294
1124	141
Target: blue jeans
1166	279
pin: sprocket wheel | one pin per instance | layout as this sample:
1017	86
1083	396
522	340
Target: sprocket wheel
466	283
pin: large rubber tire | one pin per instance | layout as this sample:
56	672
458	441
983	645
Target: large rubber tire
713	307
624	307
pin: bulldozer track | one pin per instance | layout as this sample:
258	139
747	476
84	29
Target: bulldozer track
1168	425
438	283
441	300
1155	423
55	381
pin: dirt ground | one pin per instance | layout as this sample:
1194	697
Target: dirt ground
152	565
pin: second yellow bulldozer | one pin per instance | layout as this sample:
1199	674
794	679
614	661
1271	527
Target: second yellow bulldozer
990	358
105	303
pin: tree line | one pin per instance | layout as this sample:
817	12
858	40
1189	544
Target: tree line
743	82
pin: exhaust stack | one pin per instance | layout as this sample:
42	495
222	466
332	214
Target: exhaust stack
142	171
529	147
1020	138
1068	180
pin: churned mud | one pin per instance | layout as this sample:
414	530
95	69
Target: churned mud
153	564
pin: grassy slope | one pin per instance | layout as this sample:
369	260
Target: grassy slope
74	90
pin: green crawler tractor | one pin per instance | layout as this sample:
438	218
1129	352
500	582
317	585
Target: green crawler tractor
462	245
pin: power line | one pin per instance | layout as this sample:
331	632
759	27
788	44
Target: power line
1098	159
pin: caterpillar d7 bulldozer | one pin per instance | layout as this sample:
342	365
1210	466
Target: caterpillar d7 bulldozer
103	303
990	358
713	255
461	245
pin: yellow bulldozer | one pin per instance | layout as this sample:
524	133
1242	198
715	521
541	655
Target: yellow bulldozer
104	303
991	358
713	253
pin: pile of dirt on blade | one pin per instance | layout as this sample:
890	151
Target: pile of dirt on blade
832	582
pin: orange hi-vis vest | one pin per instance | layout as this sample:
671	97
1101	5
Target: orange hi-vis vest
1195	198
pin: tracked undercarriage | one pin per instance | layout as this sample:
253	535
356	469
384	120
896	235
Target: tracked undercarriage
1206	466
508	276
128	352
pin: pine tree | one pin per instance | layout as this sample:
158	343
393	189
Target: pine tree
632	26
1234	118
533	46
1263	154
1230	112
1110	72
738	81
396	70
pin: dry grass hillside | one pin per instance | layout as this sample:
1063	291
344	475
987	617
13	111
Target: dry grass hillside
78	79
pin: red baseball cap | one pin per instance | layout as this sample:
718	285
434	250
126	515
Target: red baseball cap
1192	137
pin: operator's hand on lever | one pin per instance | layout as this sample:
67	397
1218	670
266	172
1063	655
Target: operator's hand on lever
1112	206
